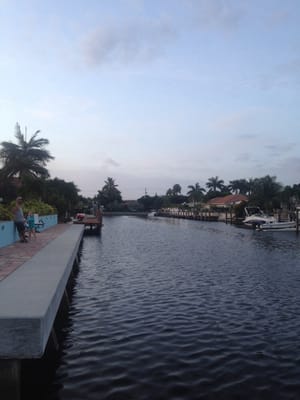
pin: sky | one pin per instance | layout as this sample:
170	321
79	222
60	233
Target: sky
154	92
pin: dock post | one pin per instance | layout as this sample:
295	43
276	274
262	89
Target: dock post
10	379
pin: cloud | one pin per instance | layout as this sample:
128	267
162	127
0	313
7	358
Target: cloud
243	157
109	162
222	14
239	121
288	170
278	150
247	136
127	43
282	75
278	18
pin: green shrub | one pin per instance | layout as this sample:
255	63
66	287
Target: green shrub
5	213
38	207
35	206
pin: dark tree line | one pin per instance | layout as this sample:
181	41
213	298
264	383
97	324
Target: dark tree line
24	173
264	192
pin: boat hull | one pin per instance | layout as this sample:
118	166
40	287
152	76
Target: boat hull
277	226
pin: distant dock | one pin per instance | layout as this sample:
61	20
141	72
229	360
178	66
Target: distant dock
203	216
125	213
93	223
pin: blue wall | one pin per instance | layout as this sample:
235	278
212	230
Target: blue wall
9	235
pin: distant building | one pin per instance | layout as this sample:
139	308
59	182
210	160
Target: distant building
227	201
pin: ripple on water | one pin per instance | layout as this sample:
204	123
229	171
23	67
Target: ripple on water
183	310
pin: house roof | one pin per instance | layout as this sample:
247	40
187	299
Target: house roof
231	199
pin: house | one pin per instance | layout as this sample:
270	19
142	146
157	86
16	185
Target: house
227	201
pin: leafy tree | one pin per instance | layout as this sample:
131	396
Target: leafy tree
176	189
290	196
26	158
173	196
62	195
239	186
196	192
8	191
157	202
266	193
110	196
151	202
32	188
146	202
215	184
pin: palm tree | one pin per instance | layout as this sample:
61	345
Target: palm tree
196	192
109	193
266	192
214	183
239	186
110	186
26	158
176	189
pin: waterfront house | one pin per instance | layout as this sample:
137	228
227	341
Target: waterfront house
225	205
227	202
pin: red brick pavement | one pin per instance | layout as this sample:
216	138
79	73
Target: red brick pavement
16	254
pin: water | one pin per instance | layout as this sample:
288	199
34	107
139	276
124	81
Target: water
182	310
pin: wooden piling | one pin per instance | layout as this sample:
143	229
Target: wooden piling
10	379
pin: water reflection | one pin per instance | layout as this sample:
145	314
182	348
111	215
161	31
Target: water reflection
173	309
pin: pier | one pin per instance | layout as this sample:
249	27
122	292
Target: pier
33	286
188	214
93	223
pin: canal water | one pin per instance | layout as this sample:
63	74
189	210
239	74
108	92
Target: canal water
182	310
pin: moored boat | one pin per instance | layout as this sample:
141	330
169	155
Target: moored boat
255	216
277	226
257	219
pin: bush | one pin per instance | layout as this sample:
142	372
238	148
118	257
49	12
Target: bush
36	206
5	213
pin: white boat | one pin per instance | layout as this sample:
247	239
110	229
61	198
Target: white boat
257	219
277	226
255	216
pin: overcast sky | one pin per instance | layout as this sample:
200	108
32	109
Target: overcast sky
155	92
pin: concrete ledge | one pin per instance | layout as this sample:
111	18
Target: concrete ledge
9	234
30	297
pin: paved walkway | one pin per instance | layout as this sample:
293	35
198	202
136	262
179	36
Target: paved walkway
14	255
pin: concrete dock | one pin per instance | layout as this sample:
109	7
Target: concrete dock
33	279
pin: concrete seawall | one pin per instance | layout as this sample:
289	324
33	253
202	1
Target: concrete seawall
29	301
9	234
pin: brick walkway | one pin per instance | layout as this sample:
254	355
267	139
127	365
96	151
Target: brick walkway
16	254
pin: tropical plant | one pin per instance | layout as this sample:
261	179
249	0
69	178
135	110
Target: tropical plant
26	158
5	213
176	189
196	192
214	184
110	196
239	186
290	196
38	207
62	195
266	193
